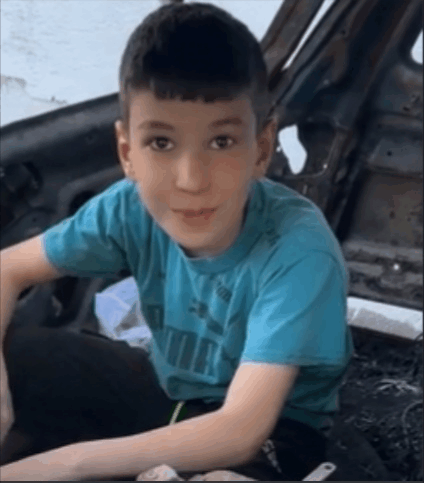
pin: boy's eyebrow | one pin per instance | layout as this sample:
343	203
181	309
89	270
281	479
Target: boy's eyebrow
236	121
155	125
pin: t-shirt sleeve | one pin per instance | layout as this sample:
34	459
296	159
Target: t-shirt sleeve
91	242
299	316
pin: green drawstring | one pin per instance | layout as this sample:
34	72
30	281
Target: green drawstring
176	412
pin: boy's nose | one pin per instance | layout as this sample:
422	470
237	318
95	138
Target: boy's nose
193	175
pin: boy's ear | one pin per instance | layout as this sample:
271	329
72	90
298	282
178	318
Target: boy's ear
123	148
266	145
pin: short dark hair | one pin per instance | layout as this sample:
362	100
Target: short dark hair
192	51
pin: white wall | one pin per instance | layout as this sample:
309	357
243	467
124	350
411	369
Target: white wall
55	53
68	50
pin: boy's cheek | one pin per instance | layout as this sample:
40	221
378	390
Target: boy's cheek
149	176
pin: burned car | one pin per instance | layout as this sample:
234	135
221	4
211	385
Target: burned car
355	96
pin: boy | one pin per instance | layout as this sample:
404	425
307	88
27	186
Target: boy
240	279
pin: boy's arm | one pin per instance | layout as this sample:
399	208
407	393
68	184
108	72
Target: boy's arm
226	438
22	265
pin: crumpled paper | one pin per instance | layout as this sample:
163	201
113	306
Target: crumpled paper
118	311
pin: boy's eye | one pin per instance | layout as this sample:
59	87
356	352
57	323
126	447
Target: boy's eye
164	144
222	141
160	143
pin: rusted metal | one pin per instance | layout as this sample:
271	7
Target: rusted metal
286	31
356	98
388	209
84	129
346	49
385	273
287	82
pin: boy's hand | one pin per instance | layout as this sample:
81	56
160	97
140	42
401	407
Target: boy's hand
7	415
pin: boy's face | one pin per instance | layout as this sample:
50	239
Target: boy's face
183	156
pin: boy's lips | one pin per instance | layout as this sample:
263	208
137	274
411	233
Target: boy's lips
196	212
198	218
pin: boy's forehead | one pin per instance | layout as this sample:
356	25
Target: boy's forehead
145	106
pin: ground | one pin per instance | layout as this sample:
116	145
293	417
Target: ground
382	399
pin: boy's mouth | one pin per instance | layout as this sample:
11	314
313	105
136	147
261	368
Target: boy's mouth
198	213
203	211
203	215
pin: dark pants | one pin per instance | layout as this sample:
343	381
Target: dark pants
69	387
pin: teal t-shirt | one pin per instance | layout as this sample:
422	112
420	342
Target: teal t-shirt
278	295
